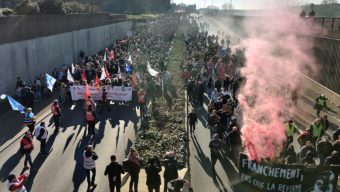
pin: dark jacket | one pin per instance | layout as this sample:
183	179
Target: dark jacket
114	171
152	175
324	148
192	117
171	167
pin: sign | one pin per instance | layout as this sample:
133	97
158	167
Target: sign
287	178
115	93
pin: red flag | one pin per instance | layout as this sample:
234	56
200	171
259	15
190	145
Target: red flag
107	74
87	91
97	82
111	55
83	76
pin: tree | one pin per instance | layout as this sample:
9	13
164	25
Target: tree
27	8
329	2
51	7
227	6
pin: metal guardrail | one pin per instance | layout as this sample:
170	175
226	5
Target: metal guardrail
329	23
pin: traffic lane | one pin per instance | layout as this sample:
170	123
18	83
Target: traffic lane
62	169
200	160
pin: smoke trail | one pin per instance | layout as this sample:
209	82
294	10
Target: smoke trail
275	52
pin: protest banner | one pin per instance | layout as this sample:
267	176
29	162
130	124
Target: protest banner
287	178
116	93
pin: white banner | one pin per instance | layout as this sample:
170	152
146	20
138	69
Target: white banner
115	93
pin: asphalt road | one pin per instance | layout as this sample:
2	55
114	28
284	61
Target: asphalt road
227	172
62	170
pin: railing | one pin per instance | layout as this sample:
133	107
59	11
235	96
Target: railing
329	23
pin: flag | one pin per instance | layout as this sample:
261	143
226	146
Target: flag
72	68
83	76
97	83
16	106
151	70
130	59
105	59
87	91
127	68
107	74
103	75
50	81
69	76
111	55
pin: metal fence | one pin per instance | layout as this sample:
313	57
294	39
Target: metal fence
329	23
327	52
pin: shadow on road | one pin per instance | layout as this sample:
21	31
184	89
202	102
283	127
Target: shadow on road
9	165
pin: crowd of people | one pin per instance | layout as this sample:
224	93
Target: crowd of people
125	63
212	71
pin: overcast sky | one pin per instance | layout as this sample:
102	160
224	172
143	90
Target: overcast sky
240	4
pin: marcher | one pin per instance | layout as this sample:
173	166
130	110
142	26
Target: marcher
325	124
153	179
192	119
320	103
41	134
90	166
324	149
215	146
141	101
134	169
26	148
114	171
291	128
105	102
90	118
177	185
333	159
308	160
29	120
308	147
317	129
89	102
16	184
56	112
235	143
170	168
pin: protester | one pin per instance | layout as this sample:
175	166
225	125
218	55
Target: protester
26	148
333	159
235	143
176	185
170	168
114	171
291	128
324	149
56	112
320	103
215	146
316	128
134	169
153	179
29	120
90	165
192	119
16	184
41	134
91	118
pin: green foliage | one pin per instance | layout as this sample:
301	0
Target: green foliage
27	7
6	11
51	7
75	7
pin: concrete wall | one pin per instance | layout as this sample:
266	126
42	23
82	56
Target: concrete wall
23	27
40	55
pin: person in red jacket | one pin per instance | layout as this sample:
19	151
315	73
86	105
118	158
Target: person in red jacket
90	118
56	112
26	148
16	184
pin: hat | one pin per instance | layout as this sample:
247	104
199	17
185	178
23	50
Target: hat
322	95
11	177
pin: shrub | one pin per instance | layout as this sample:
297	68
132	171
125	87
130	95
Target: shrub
74	7
51	7
27	8
7	12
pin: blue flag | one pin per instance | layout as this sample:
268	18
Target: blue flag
50	81
127	68
16	106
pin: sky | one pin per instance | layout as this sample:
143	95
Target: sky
240	4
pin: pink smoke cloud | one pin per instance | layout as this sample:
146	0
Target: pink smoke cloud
276	51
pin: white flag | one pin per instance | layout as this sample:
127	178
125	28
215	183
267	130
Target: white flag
130	59
105	59
69	76
73	69
103	75
50	81
151	70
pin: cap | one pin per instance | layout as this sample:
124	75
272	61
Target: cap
11	177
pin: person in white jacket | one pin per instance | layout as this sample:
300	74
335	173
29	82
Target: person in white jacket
90	165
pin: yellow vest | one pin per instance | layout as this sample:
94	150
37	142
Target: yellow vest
321	101
316	130
290	129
